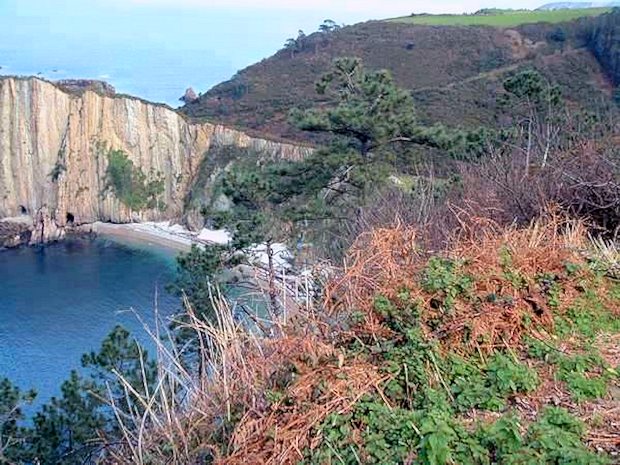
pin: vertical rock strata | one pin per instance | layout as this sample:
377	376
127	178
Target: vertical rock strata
52	167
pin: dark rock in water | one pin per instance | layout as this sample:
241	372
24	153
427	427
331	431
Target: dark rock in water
79	86
14	234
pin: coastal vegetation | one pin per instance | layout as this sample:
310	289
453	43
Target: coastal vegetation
130	184
453	72
457	301
75	426
501	350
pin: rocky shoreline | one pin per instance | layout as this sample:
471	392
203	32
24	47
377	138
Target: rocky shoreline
13	234
23	231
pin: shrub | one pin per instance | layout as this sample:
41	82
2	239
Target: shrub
130	185
584	181
383	375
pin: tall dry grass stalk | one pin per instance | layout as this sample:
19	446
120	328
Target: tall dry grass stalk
608	254
177	414
189	413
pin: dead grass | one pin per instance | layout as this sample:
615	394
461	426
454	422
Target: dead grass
280	435
261	398
386	261
258	399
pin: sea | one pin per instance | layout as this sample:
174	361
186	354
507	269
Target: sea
59	301
162	81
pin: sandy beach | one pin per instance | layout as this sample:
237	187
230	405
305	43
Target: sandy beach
163	234
178	239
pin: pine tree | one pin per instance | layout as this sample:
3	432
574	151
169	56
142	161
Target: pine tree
74	427
12	435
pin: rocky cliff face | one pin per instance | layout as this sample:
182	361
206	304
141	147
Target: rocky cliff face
605	44
52	166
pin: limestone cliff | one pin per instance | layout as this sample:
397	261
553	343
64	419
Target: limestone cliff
53	169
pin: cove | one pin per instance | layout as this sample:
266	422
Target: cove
59	301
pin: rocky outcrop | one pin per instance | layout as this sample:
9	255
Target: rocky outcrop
189	96
605	44
14	234
79	86
53	165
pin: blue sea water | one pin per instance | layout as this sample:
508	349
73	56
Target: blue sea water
161	77
59	301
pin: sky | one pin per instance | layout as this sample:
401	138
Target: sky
157	48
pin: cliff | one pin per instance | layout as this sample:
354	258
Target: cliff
605	44
52	167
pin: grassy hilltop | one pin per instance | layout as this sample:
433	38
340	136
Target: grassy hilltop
503	18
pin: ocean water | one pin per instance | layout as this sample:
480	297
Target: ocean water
59	301
160	78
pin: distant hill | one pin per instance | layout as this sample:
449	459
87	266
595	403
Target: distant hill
454	72
504	18
578	5
605	44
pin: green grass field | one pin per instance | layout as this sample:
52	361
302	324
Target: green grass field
505	18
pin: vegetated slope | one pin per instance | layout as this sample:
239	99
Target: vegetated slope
503	350
454	72
503	18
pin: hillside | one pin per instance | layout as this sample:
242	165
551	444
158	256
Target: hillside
503	351
453	71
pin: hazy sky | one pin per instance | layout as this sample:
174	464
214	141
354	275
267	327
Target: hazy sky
171	44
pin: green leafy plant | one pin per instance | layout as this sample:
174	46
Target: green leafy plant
555	438
508	376
588	316
446	278
130	185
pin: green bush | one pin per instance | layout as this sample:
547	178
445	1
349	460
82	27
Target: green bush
555	438
130	185
445	278
376	434
586	375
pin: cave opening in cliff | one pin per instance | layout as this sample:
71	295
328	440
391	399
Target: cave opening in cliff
23	210
70	218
